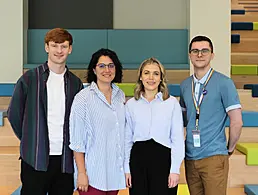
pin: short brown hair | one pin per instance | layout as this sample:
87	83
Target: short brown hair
58	35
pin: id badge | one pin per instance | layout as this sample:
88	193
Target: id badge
196	138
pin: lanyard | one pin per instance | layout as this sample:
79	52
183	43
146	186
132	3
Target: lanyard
196	105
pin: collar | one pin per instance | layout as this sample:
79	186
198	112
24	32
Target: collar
203	79
94	86
159	95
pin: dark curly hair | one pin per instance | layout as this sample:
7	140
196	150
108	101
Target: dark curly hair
94	60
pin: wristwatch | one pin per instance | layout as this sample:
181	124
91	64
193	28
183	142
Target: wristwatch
230	153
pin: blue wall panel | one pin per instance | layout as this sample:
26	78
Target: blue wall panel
133	46
86	42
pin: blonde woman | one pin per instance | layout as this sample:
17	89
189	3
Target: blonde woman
154	140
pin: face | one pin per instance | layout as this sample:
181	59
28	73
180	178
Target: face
105	70
58	52
151	77
201	59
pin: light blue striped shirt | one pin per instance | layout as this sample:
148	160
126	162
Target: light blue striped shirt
159	120
97	129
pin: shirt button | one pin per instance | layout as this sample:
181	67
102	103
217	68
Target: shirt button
119	146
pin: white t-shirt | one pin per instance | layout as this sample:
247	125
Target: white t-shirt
56	111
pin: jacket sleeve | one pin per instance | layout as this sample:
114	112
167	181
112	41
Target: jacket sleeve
16	108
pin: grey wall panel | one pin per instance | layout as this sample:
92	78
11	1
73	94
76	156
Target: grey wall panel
150	14
71	14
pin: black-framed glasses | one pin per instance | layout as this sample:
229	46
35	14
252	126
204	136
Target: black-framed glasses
110	66
196	52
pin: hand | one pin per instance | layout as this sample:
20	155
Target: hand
82	182
173	180
128	180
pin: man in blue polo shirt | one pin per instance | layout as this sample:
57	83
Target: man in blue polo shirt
207	99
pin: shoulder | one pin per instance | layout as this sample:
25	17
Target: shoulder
74	77
171	101
83	96
222	80
185	86
31	75
131	102
35	71
220	76
185	82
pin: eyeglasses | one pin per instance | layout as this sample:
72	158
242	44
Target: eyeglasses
196	52
110	66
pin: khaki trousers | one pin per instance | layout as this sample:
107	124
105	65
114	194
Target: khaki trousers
207	176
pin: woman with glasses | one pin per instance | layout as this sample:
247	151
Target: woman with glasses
154	138
97	124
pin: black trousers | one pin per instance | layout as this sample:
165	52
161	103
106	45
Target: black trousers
150	167
51	182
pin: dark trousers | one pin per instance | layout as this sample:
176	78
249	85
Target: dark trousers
53	181
150	167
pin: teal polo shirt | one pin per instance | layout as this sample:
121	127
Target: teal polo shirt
220	98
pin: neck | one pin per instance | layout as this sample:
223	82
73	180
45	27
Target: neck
149	95
105	88
56	68
200	72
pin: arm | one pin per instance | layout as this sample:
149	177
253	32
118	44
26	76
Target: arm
177	148
235	117
128	139
16	108
80	162
78	131
183	107
177	139
82	178
231	102
78	140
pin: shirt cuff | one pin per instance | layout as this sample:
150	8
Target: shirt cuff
233	107
126	168
175	169
77	148
183	109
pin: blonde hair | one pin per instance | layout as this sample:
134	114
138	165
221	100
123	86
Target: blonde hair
139	89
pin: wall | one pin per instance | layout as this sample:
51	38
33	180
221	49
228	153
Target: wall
150	14
11	33
212	18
